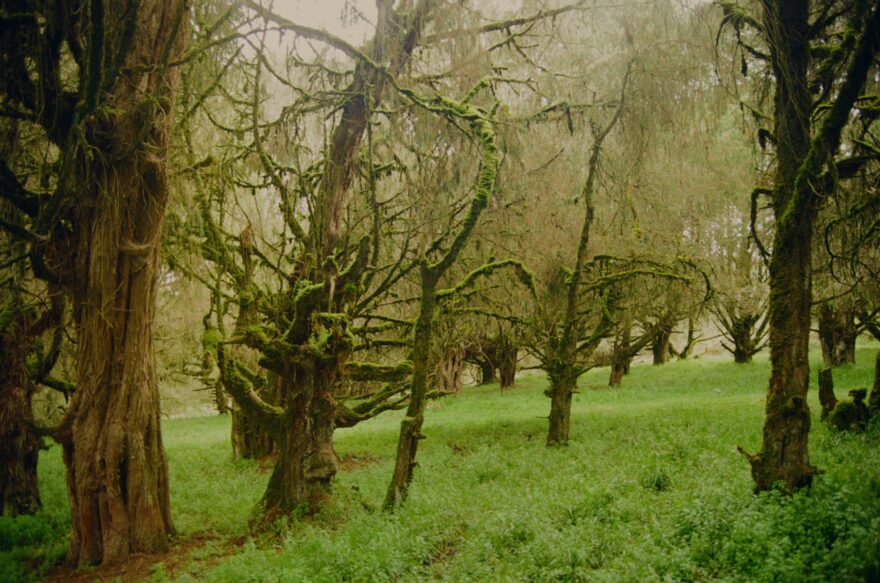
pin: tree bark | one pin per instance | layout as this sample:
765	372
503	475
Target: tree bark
306	462
874	400
117	474
838	331
507	359
660	346
250	438
487	372
450	370
621	357
826	392
800	158
562	386
411	426
19	446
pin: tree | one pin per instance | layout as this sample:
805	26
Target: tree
801	160
102	94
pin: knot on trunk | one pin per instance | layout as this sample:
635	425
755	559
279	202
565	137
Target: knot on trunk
321	464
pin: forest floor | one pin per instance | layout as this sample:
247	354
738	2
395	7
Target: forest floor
650	488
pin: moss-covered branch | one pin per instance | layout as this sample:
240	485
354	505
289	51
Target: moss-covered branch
523	274
369	371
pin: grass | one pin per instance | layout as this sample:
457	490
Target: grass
649	489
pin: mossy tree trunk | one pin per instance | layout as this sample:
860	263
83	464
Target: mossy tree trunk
411	426
100	239
563	384
307	462
450	370
800	159
487	372
430	276
826	392
621	356
566	349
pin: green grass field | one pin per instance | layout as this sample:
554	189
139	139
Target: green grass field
651	488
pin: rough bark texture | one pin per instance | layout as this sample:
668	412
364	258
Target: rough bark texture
450	370
562	387
19	446
487	372
116	470
250	438
307	461
784	456
838	331
826	392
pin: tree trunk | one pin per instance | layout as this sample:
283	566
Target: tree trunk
784	456
411	426
617	373
838	331
562	387
487	372
621	357
19	446
660	346
743	341
826	392
507	359
307	462
250	438
117	474
450	370
874	400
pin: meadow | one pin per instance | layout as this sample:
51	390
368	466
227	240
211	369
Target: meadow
650	488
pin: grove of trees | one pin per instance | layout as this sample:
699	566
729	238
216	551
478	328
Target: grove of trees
322	228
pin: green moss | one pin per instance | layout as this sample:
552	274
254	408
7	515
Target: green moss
211	341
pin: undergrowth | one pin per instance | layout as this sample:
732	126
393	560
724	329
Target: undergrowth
650	488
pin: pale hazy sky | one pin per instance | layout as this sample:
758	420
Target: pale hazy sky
326	15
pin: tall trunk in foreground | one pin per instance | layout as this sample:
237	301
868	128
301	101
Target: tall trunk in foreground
117	475
784	457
